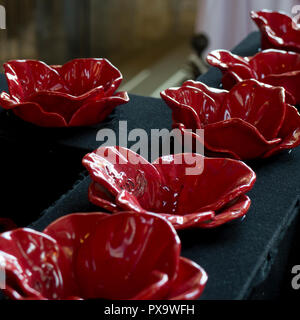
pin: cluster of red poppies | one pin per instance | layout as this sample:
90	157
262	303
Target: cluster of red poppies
134	253
256	117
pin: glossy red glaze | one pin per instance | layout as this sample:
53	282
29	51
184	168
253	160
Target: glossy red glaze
274	67
250	121
99	256
123	180
79	93
278	30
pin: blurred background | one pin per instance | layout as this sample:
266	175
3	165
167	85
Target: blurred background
156	44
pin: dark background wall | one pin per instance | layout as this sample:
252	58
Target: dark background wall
58	30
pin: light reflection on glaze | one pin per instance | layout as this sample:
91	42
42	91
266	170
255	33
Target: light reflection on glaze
186	201
242	125
278	30
74	94
274	67
142	260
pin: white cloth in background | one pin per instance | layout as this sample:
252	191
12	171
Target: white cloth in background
227	22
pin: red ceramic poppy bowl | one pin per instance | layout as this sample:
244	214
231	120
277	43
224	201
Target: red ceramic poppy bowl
250	121
210	196
274	67
98	256
79	93
278	30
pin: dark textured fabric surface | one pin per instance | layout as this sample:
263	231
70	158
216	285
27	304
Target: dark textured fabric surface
240	257
40	164
140	112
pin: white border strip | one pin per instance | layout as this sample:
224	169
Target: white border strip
136	80
175	79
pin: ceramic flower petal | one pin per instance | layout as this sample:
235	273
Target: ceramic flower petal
278	30
33	113
193	220
233	210
99	256
70	231
225	60
136	248
82	234
118	169
78	93
274	67
237	179
237	138
97	111
166	186
217	95
190	107
247	122
94	73
35	266
186	286
27	77
289	132
259	105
